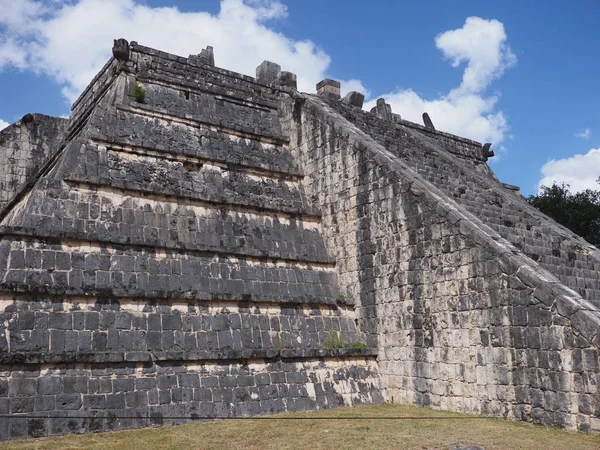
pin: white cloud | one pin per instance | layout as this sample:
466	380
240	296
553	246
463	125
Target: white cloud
465	111
482	45
70	40
354	85
3	124
584	134
580	172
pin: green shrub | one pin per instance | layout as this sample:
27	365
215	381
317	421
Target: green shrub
139	93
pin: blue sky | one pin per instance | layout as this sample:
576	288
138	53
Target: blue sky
520	74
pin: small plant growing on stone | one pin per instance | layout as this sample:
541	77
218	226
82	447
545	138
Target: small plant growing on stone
357	345
333	340
279	344
139	93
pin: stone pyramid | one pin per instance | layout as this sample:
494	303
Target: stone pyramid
195	243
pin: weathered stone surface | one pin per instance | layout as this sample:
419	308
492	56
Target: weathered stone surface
205	57
120	49
267	72
383	110
354	99
287	79
168	252
25	148
427	121
231	247
486	152
329	88
452	323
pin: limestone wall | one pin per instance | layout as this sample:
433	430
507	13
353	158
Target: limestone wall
168	264
91	95
222	247
459	146
25	147
471	184
463	321
92	397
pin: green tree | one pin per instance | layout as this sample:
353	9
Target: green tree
579	212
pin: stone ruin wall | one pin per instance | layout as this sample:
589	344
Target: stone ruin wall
462	322
196	254
25	148
166	267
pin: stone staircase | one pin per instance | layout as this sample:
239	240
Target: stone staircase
573	261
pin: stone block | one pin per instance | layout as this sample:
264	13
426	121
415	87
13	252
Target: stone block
123	385
21	405
207	56
383	110
68	401
329	88
115	401
120	49
267	72
22	386
427	122
287	79
188	380
486	152
354	98
94	402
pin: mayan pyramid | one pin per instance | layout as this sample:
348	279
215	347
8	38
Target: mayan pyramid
193	243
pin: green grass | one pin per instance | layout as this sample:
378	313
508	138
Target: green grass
357	345
333	340
382	427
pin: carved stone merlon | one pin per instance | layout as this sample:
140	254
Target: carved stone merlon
285	78
27	118
267	72
206	57
383	110
354	98
329	88
120	49
486	152
427	121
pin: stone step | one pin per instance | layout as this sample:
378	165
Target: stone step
165	102
511	220
137	131
80	268
140	330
